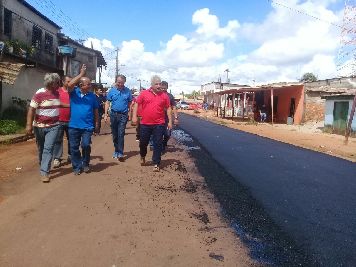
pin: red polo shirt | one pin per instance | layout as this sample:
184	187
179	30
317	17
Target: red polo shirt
64	113
153	107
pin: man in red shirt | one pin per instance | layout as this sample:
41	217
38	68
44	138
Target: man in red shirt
64	116
154	104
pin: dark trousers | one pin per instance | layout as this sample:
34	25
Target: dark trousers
138	126
80	137
118	126
166	135
156	131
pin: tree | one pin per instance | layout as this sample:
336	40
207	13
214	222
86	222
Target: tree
308	77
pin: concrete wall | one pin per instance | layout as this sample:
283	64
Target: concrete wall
329	113
284	100
22	30
26	84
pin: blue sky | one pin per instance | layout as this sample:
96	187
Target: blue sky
190	43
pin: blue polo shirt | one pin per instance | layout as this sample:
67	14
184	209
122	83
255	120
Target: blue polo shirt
82	109
119	99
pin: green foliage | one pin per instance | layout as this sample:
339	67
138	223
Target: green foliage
308	77
17	112
8	127
192	95
19	48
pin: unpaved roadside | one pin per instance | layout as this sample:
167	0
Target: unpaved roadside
307	136
120	214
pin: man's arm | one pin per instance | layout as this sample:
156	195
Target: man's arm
106	110
129	109
29	120
169	114
96	120
76	79
134	114
175	114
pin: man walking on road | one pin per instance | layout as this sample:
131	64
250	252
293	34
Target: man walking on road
120	98
154	104
167	132
43	118
84	119
64	116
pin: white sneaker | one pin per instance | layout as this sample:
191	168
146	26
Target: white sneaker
56	163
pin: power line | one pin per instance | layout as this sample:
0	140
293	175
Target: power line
304	13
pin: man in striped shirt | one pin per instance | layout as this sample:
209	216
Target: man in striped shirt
43	119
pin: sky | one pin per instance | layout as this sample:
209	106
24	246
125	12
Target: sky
193	42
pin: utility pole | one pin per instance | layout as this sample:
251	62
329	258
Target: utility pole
139	80
227	75
117	63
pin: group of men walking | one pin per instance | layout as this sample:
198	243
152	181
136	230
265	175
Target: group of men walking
75	110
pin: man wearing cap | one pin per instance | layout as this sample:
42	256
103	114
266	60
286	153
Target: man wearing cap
120	98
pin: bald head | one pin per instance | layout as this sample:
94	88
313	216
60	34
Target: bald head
84	84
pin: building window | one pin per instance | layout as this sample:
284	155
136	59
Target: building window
48	43
7	22
36	37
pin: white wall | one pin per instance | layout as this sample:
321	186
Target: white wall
26	84
329	116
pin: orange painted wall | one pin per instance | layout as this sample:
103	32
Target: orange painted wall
284	100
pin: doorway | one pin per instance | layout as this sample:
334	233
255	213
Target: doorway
341	109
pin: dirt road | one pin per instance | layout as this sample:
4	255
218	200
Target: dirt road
120	214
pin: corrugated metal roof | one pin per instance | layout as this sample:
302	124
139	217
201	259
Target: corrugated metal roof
9	71
260	88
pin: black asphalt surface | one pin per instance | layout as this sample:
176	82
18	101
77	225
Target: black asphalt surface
309	195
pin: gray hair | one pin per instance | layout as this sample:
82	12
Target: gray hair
123	77
154	79
51	78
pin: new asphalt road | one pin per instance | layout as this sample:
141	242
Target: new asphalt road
311	196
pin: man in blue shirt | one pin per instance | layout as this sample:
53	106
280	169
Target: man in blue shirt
84	119
119	97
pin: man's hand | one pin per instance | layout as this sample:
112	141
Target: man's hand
134	121
29	129
83	69
170	126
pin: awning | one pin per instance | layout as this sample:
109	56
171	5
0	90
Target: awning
9	71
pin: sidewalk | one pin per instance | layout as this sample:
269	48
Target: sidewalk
309	136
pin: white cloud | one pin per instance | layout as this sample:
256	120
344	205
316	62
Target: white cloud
209	26
286	45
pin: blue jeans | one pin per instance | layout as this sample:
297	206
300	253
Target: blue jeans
58	146
118	125
80	137
45	139
157	136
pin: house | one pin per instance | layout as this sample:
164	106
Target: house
338	110
72	55
30	50
210	91
315	93
283	101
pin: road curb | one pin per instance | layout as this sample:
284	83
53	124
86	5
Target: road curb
17	139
